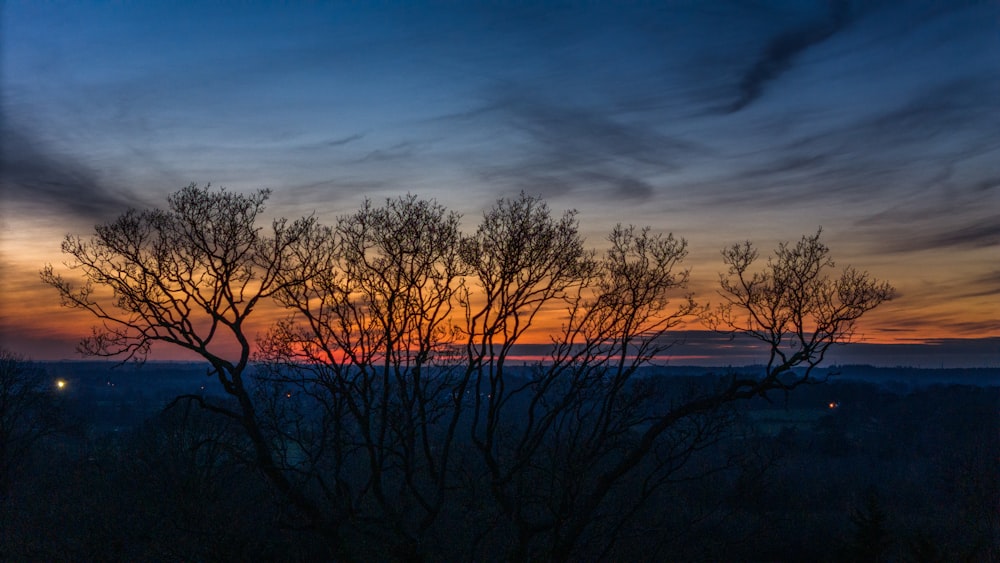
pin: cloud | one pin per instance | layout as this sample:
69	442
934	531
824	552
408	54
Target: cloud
402	150
980	233
938	353
340	141
986	285
781	51
558	149
922	158
705	348
30	173
975	327
914	320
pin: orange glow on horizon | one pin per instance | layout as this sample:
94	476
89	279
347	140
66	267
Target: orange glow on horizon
32	312
33	322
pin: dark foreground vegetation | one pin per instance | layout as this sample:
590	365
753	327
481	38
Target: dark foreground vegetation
872	465
387	417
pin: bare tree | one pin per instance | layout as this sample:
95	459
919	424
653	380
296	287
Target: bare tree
586	428
370	350
192	276
543	435
390	408
792	305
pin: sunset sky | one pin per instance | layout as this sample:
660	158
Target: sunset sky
717	121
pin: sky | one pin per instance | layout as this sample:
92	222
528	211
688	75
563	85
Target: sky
722	121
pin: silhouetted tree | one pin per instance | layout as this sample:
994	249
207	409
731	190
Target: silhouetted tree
793	305
389	409
371	356
191	276
589	426
557	441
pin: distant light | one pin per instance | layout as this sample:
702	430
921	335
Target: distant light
833	404
60	383
288	395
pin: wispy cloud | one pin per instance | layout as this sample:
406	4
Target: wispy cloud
780	52
399	151
30	172
987	285
980	233
559	149
919	159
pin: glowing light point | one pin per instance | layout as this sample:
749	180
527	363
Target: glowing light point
60	384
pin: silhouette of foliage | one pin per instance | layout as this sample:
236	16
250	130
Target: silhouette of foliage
29	412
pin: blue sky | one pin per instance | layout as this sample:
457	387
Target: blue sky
719	121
